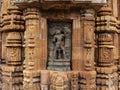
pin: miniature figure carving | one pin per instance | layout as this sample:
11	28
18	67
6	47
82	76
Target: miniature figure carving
59	49
14	54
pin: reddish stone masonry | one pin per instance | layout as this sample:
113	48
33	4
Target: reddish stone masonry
59	45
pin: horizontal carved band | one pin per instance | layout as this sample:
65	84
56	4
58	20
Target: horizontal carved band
79	1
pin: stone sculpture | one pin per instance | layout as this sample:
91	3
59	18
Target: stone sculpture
60	45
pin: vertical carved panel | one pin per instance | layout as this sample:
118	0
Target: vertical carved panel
87	77
45	34
77	38
88	23
31	73
4	35
59	45
43	43
116	48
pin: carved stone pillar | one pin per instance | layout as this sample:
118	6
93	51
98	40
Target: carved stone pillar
3	12
12	71
116	47
31	62
119	53
106	69
88	24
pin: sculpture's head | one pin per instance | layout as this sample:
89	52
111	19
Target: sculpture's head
57	31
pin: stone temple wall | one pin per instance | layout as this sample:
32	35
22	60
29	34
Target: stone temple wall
59	45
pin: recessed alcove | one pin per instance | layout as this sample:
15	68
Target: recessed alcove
59	45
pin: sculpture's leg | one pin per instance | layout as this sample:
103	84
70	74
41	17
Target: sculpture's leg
55	52
59	54
64	53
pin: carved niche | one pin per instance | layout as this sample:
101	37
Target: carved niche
59	45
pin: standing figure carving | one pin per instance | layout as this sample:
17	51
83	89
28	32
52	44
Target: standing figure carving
59	45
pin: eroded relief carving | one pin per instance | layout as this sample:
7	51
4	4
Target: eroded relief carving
59	45
59	48
59	82
14	54
74	81
31	54
106	54
88	61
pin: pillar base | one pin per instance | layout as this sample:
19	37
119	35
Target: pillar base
12	77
